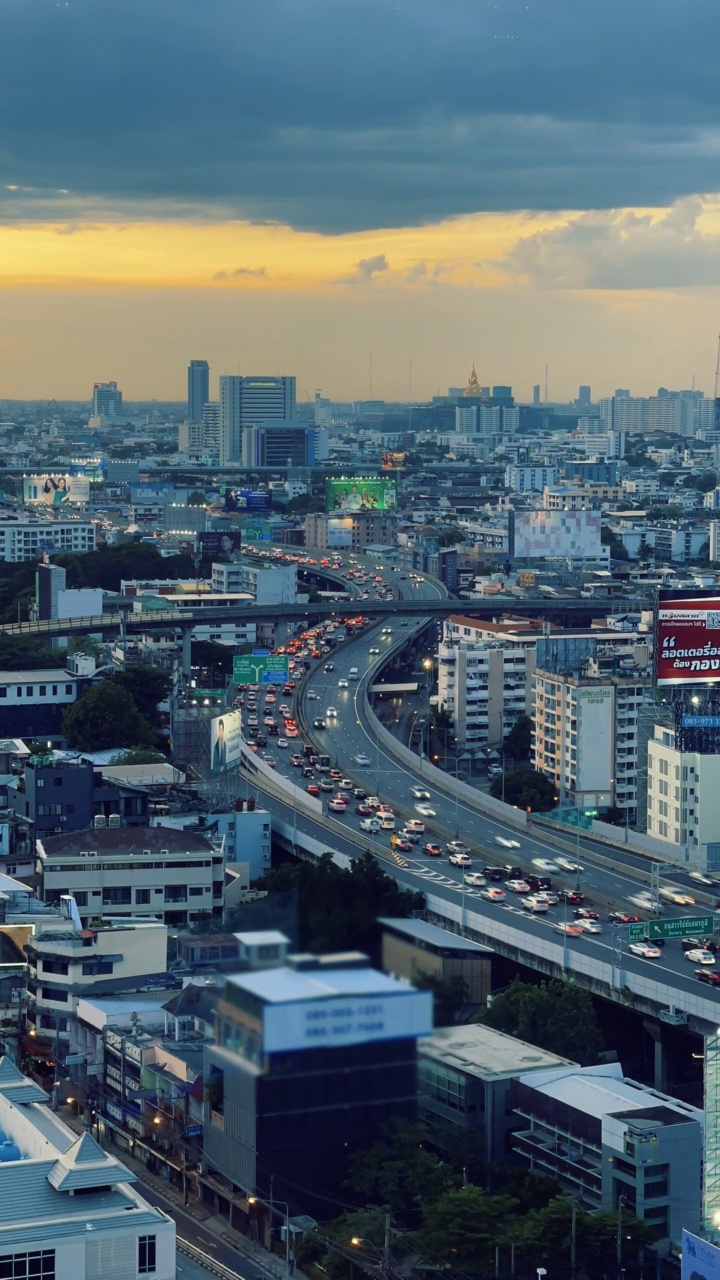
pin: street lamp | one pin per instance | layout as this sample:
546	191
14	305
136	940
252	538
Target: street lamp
383	1254
271	1204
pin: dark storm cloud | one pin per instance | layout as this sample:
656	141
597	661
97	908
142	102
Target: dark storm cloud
337	115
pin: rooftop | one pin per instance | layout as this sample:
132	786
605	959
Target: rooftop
486	1053
262	938
433	936
604	1091
125	840
54	675
321	982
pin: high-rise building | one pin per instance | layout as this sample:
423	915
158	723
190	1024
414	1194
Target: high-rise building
211	426
107	401
683	788
198	388
247	401
278	444
584	399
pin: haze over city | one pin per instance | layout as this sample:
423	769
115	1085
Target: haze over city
303	185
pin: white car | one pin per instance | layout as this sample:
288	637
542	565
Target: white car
331	713
460	859
418	793
373	650
475	880
645	903
342	683
413	824
281	742
457	846
544	864
699	956
426	811
534	904
590	926
362	759
517	886
312	695
567	864
506	843
648	951
700	878
493	895
369	824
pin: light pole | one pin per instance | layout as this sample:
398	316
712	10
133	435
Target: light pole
282	1204
383	1254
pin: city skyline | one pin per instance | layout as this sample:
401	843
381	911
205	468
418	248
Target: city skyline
296	186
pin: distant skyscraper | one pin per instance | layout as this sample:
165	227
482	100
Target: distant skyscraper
211	426
584	399
198	388
246	402
536	393
107	401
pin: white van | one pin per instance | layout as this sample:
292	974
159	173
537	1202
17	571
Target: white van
353	673
387	821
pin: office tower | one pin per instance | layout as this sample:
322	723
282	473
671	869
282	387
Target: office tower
536	393
211	426
248	401
285	443
107	401
198	388
584	399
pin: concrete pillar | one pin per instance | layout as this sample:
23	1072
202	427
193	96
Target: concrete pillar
655	1031
186	651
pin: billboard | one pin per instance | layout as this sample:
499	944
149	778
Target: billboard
595	722
700	1259
339	531
688	639
223	547
261	669
358	494
344	1020
393	461
225	741
551	534
248	500
56	490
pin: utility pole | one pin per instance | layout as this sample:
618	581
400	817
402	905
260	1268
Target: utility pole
386	1245
618	1240
573	1234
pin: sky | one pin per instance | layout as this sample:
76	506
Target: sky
371	194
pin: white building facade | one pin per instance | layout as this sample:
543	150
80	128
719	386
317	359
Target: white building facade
26	539
484	679
683	799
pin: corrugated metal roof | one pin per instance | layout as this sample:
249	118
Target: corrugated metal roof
282	986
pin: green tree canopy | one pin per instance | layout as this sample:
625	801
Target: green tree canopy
557	1016
25	653
147	687
106	716
462	1228
525	788
518	741
399	1171
338	908
139	755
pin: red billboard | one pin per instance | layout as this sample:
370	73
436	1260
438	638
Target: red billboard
688	639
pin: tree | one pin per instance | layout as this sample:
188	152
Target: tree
450	996
518	741
106	716
399	1171
544	1236
557	1016
645	551
25	653
147	686
139	755
196	499
525	788
463	1227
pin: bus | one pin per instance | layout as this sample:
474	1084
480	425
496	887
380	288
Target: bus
323	764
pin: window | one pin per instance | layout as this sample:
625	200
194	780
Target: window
80	896
117	895
146	1255
23	1266
54	993
195	891
57	782
43	690
142	896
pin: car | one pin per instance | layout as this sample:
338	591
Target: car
336	806
361	759
646	950
711	976
267	721
325	784
460	859
413	836
539	884
336	774
433	850
493	873
475	880
702	944
369	824
622	917
329	666
567	864
517	886
312	695
342	683
331	713
373	802
308	772
273	730
363	810
572	896
570	927
701	879
506	843
534	903
414	824
319	723
359	793
493	894
312	789
373	650
586	913
282	742
345	784
426	811
544	864
342	797
700	956
549	895
644	902
252	720
261	740
590	926
296	760
403	846
457	846
419	793
677	897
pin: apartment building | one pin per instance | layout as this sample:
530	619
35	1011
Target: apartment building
683	793
25	538
267	584
485	676
585	727
153	872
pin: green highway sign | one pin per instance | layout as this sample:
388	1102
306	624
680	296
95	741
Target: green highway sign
254	669
680	927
